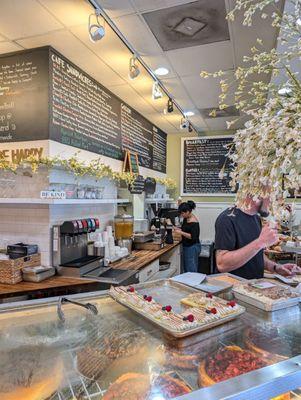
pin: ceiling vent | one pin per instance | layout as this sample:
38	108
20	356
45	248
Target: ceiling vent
192	24
189	26
215	112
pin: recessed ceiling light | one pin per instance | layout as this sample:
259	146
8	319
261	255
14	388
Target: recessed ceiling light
161	71
189	113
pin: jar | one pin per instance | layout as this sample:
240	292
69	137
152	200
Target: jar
124	226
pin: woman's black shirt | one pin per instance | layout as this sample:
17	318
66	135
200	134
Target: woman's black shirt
194	229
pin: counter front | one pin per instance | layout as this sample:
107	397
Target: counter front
117	355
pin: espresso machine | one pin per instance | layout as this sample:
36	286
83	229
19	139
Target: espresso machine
70	247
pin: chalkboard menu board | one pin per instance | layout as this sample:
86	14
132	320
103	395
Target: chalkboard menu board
24	96
202	161
88	116
159	150
45	96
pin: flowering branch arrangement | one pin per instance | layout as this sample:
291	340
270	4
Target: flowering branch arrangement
266	153
79	168
252	80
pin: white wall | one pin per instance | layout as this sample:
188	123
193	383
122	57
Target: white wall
208	212
32	223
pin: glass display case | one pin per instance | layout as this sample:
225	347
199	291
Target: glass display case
75	354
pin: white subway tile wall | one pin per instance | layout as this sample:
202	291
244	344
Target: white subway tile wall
32	223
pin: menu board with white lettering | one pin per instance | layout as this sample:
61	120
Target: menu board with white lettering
159	150
45	96
24	96
202	161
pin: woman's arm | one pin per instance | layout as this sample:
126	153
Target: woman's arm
185	234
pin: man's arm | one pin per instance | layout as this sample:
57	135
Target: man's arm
231	260
287	269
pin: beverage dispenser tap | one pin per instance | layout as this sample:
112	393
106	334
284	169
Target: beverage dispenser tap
69	229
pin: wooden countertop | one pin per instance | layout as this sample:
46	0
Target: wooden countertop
50	283
141	258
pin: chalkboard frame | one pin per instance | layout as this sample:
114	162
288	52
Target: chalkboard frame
200	194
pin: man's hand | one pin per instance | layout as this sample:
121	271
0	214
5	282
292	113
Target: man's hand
288	269
268	237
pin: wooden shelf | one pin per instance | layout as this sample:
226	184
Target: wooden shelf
160	201
62	202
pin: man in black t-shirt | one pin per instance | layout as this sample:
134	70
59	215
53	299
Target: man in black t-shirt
240	241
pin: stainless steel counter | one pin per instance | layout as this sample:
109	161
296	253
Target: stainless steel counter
96	350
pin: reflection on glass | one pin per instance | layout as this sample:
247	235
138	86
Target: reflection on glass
116	354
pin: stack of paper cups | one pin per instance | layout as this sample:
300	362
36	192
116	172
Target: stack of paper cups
111	243
105	237
110	231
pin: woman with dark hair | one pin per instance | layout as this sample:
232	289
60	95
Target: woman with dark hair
190	232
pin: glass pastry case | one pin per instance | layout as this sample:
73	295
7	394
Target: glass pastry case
57	350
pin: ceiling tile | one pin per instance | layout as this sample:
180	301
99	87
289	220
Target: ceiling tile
177	89
157	61
146	5
217	124
117	8
69	12
131	97
204	92
186	25
138	34
8	47
25	18
208	57
67	44
244	37
110	49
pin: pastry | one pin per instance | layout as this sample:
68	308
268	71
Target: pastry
267	295
228	279
205	308
171	357
94	358
29	373
226	363
268	342
142	387
229	362
168	387
129	386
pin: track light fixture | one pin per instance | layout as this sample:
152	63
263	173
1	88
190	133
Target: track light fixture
170	106
190	128
156	92
96	30
184	123
134	70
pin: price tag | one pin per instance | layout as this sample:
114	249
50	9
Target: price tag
263	285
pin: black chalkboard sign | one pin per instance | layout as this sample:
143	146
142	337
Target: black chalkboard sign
202	161
24	96
137	187
43	95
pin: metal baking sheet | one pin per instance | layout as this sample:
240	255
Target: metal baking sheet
276	305
168	292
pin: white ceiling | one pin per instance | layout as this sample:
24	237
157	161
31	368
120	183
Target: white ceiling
63	24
